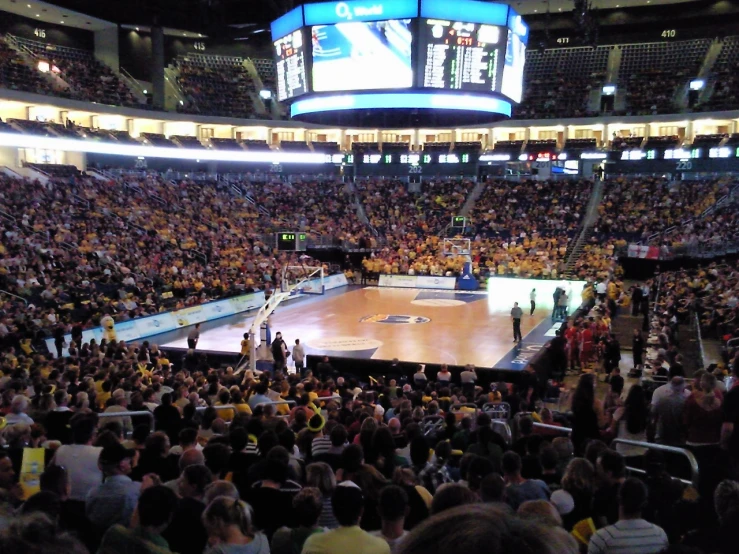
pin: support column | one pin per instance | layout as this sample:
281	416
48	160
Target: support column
157	67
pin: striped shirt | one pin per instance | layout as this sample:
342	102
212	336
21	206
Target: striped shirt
632	536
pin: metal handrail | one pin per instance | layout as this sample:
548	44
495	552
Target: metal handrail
277	402
567	430
495	408
216	408
14	296
694	471
146	413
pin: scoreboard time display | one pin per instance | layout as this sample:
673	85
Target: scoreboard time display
290	66
289	241
462	56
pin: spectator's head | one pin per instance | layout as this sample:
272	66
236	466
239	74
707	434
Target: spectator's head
511	465
485	529
217	457
225	518
526	426
307	505
478	469
45	502
220	488
393	505
617	384
115	459
540	511
194	480
611	465
492	488
7	473
632	498
321	476
83	427
56	479
352	458
348	504
156	508
726	503
191	457
451	495
38	534
579	477
338	436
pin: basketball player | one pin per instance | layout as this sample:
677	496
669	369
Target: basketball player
516	314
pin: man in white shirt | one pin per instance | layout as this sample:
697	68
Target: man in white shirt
630	534
532	298
81	458
601	288
299	357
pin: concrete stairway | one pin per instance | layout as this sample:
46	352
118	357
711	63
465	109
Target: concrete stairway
576	247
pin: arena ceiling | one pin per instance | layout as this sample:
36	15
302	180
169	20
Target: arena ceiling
212	15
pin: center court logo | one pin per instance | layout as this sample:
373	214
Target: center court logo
395	319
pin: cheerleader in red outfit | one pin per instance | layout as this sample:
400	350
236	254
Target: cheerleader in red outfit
572	334
586	346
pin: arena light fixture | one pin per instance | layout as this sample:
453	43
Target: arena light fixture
697	84
394	100
14	140
265	94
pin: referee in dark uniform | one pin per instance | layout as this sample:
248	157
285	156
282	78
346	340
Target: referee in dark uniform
516	314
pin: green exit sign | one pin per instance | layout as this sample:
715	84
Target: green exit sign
458	221
288	236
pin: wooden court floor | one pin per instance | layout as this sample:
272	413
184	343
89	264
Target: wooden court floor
408	324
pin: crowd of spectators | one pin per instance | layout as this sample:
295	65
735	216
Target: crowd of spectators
342	465
711	292
78	249
15	74
635	208
520	229
89	80
222	90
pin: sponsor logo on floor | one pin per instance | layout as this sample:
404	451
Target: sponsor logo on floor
395	319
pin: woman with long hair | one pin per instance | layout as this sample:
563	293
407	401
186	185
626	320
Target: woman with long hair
579	482
586	410
630	422
229	527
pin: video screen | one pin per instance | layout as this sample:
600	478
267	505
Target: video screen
290	63
461	56
362	55
515	57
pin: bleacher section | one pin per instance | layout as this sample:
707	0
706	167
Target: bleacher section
725	78
215	85
653	73
89	79
558	81
16	75
266	70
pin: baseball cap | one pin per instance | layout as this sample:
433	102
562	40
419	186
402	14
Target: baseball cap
563	501
115	453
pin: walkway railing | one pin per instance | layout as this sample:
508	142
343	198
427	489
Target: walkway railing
694	470
146	413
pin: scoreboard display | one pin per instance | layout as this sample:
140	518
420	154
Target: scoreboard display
400	54
462	56
291	241
290	66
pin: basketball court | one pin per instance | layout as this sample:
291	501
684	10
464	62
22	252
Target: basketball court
413	325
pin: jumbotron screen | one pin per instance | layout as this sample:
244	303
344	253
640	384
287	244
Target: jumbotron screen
408	54
362	55
462	56
290	66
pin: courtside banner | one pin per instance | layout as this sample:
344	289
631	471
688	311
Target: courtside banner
335	281
432	282
417	282
136	329
401	281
